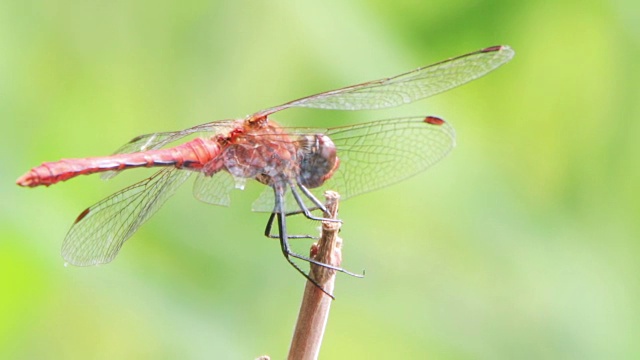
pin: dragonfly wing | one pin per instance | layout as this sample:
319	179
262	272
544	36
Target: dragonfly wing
99	232
378	154
409	87
214	189
266	202
374	155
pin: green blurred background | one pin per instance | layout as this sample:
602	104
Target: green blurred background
523	243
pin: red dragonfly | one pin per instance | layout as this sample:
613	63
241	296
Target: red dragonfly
290	161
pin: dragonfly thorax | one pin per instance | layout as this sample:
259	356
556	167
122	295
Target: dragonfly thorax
261	157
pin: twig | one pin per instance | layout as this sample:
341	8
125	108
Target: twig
314	310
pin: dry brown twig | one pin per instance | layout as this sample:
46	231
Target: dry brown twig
314	310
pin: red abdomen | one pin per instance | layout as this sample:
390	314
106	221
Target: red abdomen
191	155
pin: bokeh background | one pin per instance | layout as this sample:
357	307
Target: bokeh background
523	243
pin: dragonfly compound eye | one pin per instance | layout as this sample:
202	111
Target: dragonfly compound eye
317	160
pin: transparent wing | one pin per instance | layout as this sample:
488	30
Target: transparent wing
99	232
214	189
266	202
405	88
382	153
161	139
377	154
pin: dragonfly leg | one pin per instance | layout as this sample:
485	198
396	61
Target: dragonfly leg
286	250
309	194
284	245
267	230
287	253
305	210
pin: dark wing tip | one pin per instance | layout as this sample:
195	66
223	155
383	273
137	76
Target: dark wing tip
496	48
82	215
433	120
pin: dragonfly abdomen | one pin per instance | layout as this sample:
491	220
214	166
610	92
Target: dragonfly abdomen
191	155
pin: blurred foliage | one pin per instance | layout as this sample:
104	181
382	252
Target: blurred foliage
521	244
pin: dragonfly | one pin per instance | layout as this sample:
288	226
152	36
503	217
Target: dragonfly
293	163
